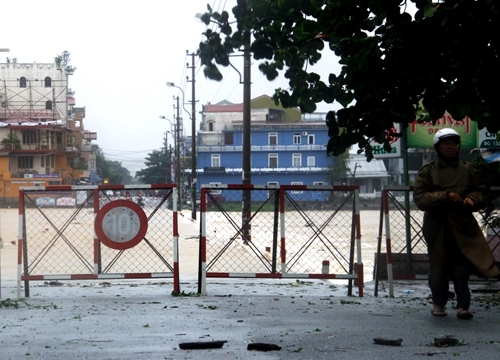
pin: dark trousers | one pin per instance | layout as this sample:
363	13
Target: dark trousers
459	274
455	267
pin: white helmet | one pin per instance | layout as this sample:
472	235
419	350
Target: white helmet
445	134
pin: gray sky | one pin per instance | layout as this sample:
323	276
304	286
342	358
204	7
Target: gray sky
125	51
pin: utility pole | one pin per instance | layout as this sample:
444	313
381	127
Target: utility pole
167	161
193	138
247	146
178	129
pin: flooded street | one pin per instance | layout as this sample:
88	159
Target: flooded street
189	245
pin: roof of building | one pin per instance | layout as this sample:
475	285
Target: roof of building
60	122
223	108
364	169
264	101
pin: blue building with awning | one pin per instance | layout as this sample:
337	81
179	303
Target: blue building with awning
286	148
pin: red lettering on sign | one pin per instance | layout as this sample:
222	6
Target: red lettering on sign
445	121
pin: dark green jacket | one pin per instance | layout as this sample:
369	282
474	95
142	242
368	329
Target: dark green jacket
431	186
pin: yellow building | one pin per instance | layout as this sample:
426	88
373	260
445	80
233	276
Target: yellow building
42	136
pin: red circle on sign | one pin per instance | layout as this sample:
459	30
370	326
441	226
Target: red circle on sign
121	224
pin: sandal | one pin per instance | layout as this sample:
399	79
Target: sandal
464	314
438	310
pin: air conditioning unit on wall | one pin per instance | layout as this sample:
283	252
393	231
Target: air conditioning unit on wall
304	133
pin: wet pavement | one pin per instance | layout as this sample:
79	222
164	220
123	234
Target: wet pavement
310	319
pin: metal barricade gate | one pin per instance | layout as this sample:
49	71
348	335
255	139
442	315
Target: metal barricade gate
406	251
97	232
291	231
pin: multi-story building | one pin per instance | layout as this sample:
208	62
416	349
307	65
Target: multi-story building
42	136
285	147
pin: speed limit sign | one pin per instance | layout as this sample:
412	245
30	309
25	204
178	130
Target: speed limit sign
121	224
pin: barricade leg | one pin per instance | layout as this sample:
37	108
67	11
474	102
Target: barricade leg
359	269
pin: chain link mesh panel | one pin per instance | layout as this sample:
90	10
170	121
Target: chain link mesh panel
236	242
311	230
489	220
320	230
403	233
154	253
59	241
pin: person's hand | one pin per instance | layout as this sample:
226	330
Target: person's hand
468	202
454	197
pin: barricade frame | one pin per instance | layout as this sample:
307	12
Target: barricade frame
385	224
155	243
355	269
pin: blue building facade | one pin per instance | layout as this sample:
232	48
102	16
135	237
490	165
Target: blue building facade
283	151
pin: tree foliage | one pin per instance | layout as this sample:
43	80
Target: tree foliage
157	171
338	171
111	170
444	58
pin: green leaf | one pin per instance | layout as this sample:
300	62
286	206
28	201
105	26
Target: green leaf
430	10
389	61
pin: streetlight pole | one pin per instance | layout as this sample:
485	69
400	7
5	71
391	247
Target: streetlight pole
193	140
178	156
193	150
169	170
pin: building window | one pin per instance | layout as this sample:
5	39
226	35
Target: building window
48	105
47	161
29	137
229	138
319	183
25	162
273	160
273	138
297	183
70	140
48	82
22	82
215	160
296	138
210	126
296	160
310	139
311	161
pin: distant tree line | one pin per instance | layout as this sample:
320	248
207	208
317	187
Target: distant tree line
158	168
111	170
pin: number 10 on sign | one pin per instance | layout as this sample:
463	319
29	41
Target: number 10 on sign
121	224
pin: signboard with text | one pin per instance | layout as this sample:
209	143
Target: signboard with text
92	162
421	135
488	140
378	149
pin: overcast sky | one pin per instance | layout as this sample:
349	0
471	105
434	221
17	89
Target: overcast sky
125	51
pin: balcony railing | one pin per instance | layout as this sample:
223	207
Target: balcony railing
233	148
90	135
228	170
28	147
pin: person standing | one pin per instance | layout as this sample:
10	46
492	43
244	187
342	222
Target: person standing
449	190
